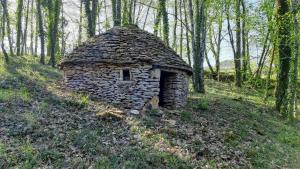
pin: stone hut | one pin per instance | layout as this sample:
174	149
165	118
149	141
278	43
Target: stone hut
129	67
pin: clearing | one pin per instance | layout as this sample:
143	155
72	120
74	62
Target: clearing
43	125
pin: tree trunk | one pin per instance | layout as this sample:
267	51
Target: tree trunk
294	73
53	32
284	48
91	14
200	33
174	45
80	23
146	18
24	46
237	58
181	28
31	29
41	30
8	30
2	29
116	9
19	26
269	75
187	34
244	42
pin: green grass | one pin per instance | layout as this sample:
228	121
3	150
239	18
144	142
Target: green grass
46	126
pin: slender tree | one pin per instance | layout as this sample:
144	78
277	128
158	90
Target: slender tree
19	26
174	45
24	44
187	34
41	30
2	29
31	28
8	29
237	58
80	23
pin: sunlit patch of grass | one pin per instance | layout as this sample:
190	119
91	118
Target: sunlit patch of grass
25	94
6	95
78	100
28	155
30	119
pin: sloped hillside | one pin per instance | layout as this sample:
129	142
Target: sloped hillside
44	125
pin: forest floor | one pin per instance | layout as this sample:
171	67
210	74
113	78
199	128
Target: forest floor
43	125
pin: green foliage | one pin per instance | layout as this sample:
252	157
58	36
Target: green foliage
6	94
78	101
51	155
2	149
202	105
185	116
28	155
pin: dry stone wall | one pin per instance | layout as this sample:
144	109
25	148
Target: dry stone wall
104	82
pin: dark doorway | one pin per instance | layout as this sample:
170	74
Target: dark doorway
167	89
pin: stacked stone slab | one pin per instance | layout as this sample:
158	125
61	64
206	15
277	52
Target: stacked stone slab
96	67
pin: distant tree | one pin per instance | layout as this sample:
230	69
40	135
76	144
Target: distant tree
215	37
236	48
80	23
2	30
32	28
174	45
24	44
147	14
8	29
19	25
91	14
116	10
187	37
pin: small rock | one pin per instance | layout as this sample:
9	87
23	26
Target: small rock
136	112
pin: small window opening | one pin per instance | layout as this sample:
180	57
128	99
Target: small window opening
126	75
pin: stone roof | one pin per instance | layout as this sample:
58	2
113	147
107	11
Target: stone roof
125	45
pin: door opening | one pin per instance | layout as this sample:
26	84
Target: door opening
166	89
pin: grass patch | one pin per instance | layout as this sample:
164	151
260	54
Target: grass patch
6	95
185	116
